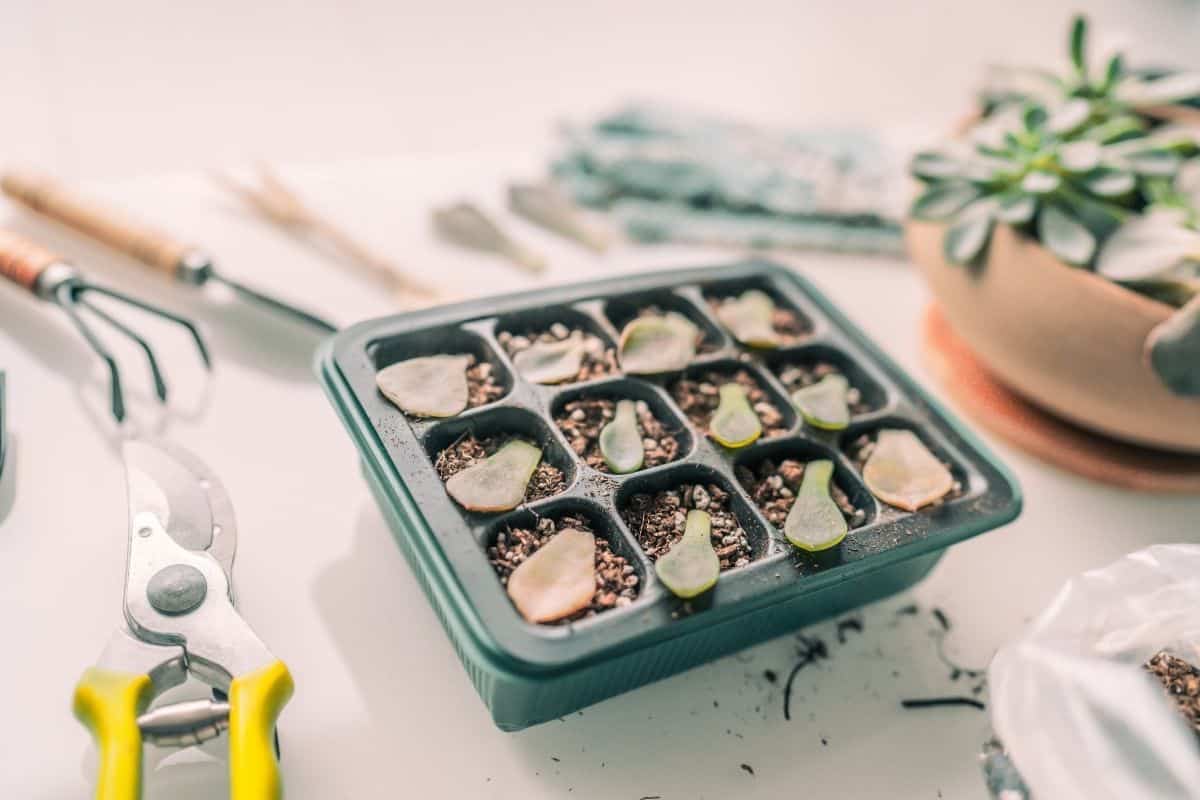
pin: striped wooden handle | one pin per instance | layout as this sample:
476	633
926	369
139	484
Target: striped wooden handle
22	261
46	196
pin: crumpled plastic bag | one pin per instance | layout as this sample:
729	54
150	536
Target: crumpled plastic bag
1078	715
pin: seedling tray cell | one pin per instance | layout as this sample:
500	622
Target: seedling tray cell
527	673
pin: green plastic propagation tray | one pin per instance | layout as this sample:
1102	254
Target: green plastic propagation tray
526	673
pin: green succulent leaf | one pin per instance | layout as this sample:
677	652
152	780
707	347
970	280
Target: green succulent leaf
1079	26
944	200
691	566
1173	350
1016	208
901	471
1117	129
823	404
1113	72
1065	236
558	580
1162	91
749	317
1110	182
1070	116
933	165
429	386
1158	163
621	441
1039	182
815	522
734	423
1147	248
498	482
1081	156
967	238
1034	117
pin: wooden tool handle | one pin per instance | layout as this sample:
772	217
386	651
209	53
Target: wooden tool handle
23	261
46	196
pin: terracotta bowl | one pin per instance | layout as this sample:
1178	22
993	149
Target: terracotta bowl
1064	338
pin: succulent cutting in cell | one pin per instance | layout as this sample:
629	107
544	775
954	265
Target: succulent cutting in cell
902	472
691	567
430	386
750	317
815	522
558	580
735	423
551	362
621	440
824	404
498	482
653	344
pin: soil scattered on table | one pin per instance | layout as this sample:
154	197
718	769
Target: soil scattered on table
658	521
859	450
699	396
787	324
482	387
773	486
1181	681
598	358
583	419
617	584
547	479
796	376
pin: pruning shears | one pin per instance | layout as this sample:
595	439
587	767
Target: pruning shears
179	621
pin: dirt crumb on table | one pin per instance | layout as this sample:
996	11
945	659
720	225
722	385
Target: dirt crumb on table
599	359
658	519
1181	680
698	397
795	376
547	479
773	486
583	419
482	387
617	583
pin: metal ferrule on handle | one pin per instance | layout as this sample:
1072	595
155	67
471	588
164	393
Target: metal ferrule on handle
46	196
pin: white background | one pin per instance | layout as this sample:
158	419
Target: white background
383	110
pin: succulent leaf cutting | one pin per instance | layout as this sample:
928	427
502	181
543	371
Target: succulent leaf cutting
498	482
750	318
658	343
902	472
735	423
430	386
691	566
824	404
552	362
815	522
558	580
621	440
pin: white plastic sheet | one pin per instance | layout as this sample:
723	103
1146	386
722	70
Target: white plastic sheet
1070	701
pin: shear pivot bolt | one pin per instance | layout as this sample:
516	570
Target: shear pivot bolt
177	589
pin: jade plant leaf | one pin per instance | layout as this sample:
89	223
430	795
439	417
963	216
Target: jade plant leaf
652	344
551	362
749	318
1146	248
621	441
498	482
1173	349
558	580
967	238
734	423
815	522
902	472
430	386
691	566
943	200
823	404
1065	236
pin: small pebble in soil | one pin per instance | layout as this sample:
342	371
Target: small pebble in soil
787	324
547	480
798	375
598	358
1181	681
617	583
772	485
658	521
699	396
859	450
582	420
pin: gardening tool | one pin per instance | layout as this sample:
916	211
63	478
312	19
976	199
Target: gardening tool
184	262
179	621
33	267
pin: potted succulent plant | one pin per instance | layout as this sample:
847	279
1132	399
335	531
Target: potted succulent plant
1060	234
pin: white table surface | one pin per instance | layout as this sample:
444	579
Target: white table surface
382	708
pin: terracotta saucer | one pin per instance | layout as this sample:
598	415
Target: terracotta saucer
1006	414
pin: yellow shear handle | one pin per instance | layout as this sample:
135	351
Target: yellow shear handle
108	703
255	700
